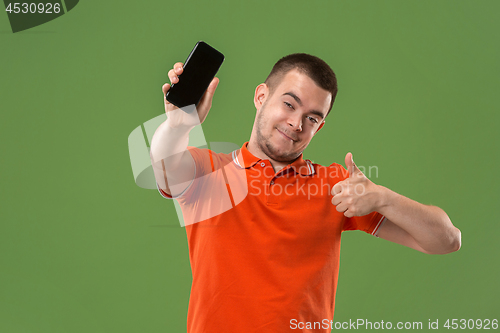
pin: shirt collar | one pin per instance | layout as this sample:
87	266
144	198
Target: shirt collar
245	159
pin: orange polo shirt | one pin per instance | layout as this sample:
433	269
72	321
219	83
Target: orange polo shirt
263	246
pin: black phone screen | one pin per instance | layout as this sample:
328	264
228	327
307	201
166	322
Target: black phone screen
198	71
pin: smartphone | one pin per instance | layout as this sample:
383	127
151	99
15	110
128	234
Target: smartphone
199	69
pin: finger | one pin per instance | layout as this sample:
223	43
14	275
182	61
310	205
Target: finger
337	188
349	163
165	88
213	85
178	68
352	167
349	213
168	106
342	207
172	76
206	99
175	72
337	199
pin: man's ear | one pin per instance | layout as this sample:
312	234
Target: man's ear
261	93
320	127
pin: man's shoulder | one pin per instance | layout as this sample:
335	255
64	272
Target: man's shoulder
334	170
320	166
223	155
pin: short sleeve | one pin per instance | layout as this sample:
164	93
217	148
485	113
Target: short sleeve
203	165
368	223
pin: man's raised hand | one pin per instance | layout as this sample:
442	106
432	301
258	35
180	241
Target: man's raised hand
355	195
178	117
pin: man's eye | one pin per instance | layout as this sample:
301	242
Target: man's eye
312	119
289	105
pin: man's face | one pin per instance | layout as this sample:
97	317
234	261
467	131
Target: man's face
288	119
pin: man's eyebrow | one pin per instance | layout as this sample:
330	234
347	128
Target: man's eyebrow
297	99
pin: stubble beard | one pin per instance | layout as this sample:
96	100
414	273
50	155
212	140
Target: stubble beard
267	147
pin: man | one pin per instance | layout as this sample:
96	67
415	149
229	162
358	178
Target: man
267	259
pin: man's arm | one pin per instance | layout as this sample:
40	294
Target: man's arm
172	163
424	228
427	229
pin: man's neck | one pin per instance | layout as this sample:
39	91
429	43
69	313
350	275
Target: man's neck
257	152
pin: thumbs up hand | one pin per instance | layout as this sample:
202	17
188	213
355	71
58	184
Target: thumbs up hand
355	195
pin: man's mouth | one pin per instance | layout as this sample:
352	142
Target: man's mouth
286	136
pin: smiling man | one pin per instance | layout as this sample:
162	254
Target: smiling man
285	122
267	260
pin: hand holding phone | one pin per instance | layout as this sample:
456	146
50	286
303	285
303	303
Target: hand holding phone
197	73
177	116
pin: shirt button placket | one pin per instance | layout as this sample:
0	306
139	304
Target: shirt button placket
274	193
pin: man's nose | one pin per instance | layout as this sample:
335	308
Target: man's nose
295	123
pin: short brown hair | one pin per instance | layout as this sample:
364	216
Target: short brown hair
314	67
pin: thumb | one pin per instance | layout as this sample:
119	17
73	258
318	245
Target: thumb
206	100
351	166
213	85
209	93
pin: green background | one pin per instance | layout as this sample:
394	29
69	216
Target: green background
84	249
